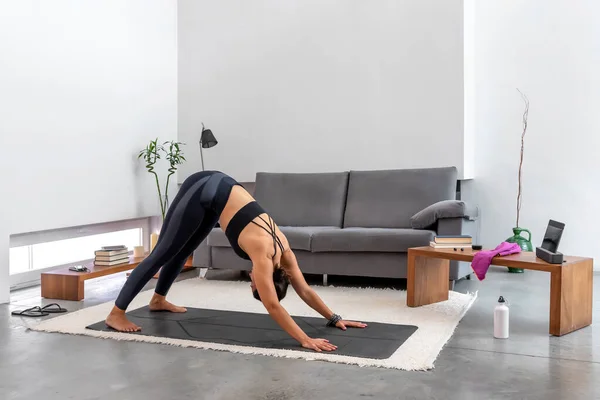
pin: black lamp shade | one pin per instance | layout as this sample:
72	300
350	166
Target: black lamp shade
207	139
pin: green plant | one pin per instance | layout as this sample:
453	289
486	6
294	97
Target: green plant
174	156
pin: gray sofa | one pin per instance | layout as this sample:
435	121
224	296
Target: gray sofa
357	223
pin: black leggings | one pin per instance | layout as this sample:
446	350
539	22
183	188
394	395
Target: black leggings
191	216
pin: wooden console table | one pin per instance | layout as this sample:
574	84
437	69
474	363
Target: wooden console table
63	284
571	284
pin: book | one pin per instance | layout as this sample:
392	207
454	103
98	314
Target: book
450	239
111	253
449	245
112	258
111	263
109	248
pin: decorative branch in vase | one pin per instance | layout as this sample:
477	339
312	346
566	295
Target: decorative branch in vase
524	243
174	156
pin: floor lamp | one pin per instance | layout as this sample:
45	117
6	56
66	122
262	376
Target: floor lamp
207	140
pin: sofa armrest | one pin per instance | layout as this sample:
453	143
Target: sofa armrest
458	226
445	209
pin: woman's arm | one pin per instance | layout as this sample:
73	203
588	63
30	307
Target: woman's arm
307	294
262	274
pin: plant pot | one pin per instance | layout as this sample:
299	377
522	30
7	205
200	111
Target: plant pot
524	243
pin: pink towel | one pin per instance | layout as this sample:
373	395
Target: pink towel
483	259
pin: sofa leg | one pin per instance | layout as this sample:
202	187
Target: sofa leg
203	272
324	279
451	285
469	277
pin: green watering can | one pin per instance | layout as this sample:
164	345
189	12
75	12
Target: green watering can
525	244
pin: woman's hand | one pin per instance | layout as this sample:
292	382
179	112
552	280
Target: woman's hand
318	345
342	324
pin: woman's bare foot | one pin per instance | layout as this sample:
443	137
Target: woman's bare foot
159	303
117	320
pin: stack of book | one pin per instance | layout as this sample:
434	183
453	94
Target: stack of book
111	255
452	242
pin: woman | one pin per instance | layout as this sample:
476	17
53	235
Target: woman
204	199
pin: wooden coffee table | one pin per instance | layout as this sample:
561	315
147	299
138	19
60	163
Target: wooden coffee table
571	284
64	284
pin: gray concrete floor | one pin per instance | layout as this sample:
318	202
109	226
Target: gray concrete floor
473	365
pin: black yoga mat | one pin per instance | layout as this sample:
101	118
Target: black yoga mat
377	340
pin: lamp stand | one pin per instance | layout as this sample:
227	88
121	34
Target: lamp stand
201	156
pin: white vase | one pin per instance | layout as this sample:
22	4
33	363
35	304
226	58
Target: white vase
139	251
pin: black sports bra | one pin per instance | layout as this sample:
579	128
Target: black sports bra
243	217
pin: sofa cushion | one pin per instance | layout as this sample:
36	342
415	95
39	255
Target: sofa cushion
217	238
389	198
299	237
370	240
303	199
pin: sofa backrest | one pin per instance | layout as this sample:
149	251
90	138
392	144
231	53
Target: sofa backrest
388	198
303	199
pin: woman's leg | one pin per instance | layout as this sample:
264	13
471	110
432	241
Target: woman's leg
185	217
187	184
170	271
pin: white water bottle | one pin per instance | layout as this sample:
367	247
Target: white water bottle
501	319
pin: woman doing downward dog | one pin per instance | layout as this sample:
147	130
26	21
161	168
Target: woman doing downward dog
204	199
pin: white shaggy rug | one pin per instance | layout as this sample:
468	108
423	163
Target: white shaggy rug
436	322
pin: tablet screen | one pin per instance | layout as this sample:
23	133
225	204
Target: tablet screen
552	236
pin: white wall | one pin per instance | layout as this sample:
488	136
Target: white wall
85	85
322	85
552	53
4	277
